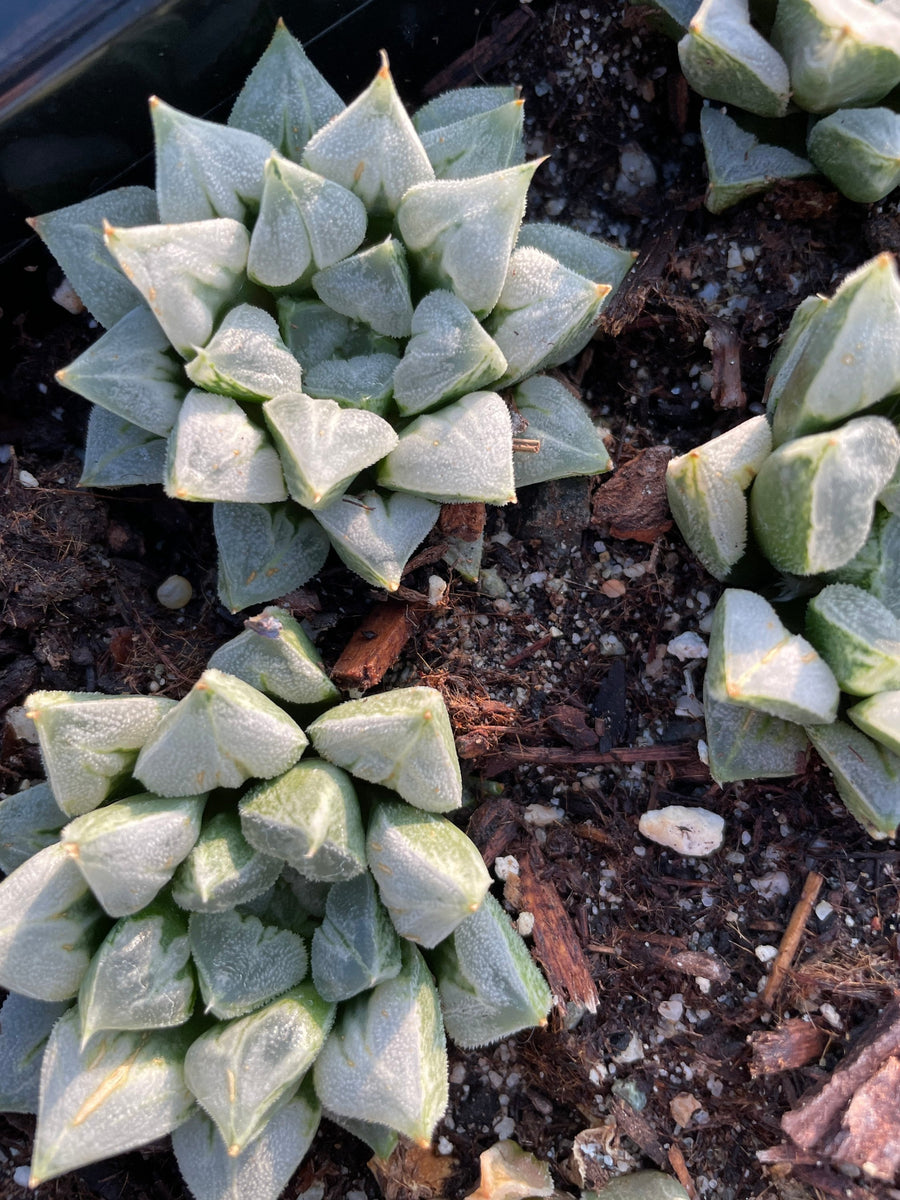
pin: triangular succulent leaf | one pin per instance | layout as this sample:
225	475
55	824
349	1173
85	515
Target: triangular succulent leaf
25	1025
315	333
128	851
246	358
371	147
118	453
223	732
30	820
203	169
570	443
223	869
400	739
323	447
243	1071
242	963
858	636
459	104
265	551
274	655
356	947
744	743
74	236
879	717
739	164
371	286
876	568
285	99
866	774
478	144
859	150
386	1060
364	381
309	817
588	256
429	875
90	741
725	58
120	1091
132	372
375	534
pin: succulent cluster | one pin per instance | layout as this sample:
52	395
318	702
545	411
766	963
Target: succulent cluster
212	928
312	316
819	475
836	60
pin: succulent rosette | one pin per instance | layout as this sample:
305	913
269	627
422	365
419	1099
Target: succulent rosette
245	924
802	503
323	320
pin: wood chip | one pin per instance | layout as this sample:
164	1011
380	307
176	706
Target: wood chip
727	390
374	646
491	51
793	1044
463	521
793	935
632	504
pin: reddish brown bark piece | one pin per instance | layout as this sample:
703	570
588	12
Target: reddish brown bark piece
556	945
816	1123
493	827
491	51
632	504
869	1136
793	935
374	646
570	723
628	301
727	390
636	1126
793	1044
463	521
516	755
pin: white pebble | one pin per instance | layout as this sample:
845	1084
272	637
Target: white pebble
20	725
505	1128
444	1146
506	865
687	645
27	480
525	924
831	1015
766	952
174	592
693	831
66	297
776	883
673	1008
437	587
823	910
540	815
21	1175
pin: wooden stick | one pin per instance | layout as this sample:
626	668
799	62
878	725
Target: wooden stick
374	646
679	1166
790	942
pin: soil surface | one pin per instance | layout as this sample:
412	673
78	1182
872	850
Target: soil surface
676	1043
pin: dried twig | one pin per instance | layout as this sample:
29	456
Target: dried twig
792	935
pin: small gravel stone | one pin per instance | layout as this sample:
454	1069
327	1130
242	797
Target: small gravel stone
27	480
766	952
174	592
776	883
672	1009
682	1107
693	831
505	866
688	645
21	1175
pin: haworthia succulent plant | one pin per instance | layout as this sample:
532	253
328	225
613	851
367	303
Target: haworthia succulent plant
394	253
254	917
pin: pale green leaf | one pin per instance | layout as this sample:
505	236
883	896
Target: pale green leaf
265	551
724	58
739	164
223	869
30	820
570	443
376	534
478	144
120	454
371	286
274	655
859	150
364	381
867	775
858	636
356	947
246	358
242	963
744	743
25	1025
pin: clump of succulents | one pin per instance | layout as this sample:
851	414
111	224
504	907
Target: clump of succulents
836	60
328	320
217	925
803	504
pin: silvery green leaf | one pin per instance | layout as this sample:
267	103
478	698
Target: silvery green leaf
305	222
479	144
448	355
246	358
187	273
724	58
122	1090
792	347
323	447
879	717
74	236
263	1170
371	147
223	869
464	556
845	355
216	452
29	821
223	732
371	286
242	963
25	1025
813	501
401	739
859	150
841	53
585	255
310	894
460	103
545	313
315	333
739	164
867	775
381	1140
754	661
490	986
141	977
119	454
707	492
461	453
132	372
285	99
429	874
243	1071
364	381
356	946
876	568
128	851
203	169
50	926
90	741
274	655
265	550
858	636
570	442
462	231
310	818
386	1060
744	743
375	534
